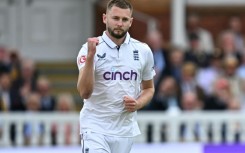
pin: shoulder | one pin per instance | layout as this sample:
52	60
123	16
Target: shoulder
140	45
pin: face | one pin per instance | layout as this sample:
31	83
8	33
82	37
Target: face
235	24
189	101
177	58
193	22
5	82
168	87
228	39
118	21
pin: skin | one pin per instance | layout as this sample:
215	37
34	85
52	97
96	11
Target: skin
118	21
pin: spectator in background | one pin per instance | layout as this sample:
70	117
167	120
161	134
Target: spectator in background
241	68
155	41
26	83
176	61
10	98
65	104
15	61
190	103
188	79
206	76
167	98
220	96
234	104
5	86
33	106
47	99
205	37
242	96
235	25
230	68
195	54
4	60
226	42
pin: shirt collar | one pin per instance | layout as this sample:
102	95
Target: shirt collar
110	43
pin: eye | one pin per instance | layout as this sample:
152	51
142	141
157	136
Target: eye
116	18
125	19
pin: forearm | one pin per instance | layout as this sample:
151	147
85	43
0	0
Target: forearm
145	97
86	79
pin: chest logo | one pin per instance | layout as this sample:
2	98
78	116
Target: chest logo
136	55
101	56
82	59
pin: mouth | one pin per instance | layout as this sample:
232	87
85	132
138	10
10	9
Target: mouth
118	30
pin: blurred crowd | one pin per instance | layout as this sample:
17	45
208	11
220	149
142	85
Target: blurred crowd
207	74
23	88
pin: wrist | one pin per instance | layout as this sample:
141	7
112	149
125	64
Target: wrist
139	105
90	56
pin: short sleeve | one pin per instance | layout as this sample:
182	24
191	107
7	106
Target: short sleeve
148	71
82	56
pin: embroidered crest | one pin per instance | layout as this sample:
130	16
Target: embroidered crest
136	55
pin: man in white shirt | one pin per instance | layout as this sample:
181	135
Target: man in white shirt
115	80
205	36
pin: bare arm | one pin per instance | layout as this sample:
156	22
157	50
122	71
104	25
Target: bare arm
85	81
146	95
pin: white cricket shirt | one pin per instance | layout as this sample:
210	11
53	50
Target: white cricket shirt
118	72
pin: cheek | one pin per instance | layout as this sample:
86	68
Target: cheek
110	23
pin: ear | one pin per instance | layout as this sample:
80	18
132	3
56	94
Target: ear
104	18
131	21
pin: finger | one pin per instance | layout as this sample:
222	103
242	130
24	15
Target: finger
127	98
130	109
94	44
93	40
96	40
130	104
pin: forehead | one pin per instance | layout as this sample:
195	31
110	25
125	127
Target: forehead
116	11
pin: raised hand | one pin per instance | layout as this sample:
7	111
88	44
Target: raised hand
92	43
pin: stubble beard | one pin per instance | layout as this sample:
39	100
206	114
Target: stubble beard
115	35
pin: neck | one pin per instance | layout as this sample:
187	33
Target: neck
118	42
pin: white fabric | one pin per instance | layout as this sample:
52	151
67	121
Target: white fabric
98	143
117	73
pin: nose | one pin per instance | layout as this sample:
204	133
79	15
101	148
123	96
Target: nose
120	23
